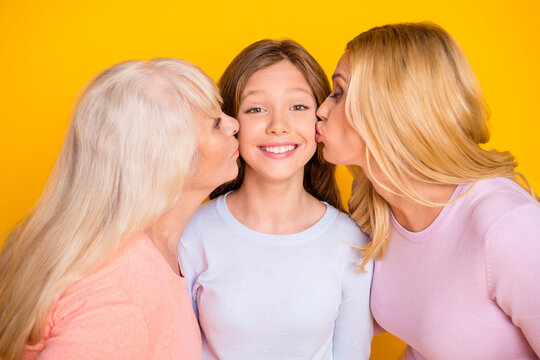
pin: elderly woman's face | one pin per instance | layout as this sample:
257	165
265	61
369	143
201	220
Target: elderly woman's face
342	143
218	151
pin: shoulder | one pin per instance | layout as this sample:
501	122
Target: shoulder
344	228
347	241
512	214
105	324
206	217
135	274
508	219
500	192
206	212
89	307
490	201
91	293
343	241
511	252
96	320
209	208
99	302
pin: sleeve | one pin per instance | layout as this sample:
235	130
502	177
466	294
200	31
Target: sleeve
191	257
354	325
513	268
104	330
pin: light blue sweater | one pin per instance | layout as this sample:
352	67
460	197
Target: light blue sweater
263	296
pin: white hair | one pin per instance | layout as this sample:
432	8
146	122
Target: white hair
131	143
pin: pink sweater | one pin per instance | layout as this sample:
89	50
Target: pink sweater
135	307
468	286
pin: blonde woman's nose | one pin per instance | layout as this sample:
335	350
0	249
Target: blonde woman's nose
322	111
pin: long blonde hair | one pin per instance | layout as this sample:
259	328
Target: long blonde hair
416	102
131	143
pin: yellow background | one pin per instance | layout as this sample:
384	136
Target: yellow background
50	49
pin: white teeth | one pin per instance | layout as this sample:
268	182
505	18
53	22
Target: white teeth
278	149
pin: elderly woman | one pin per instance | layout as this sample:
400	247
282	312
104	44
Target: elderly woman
92	272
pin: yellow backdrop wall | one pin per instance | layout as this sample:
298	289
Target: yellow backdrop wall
50	49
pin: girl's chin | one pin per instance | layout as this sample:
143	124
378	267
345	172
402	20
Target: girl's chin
276	173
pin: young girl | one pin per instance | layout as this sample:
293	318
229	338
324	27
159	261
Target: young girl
269	261
458	237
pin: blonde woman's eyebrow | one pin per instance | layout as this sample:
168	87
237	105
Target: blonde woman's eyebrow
338	75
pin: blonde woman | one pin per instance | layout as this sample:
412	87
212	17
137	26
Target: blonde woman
268	262
457	237
92	272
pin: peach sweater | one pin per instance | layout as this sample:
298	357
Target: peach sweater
135	307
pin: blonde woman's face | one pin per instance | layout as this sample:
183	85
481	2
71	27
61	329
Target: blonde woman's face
342	143
277	122
218	151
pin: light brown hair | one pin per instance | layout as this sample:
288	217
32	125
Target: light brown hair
319	178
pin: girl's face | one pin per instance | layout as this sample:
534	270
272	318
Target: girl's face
218	151
277	122
342	143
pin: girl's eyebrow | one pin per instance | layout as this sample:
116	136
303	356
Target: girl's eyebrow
258	92
298	89
252	92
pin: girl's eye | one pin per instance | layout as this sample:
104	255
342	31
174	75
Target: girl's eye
298	108
254	110
217	122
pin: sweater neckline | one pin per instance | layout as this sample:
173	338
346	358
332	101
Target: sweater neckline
157	258
298	238
418	236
